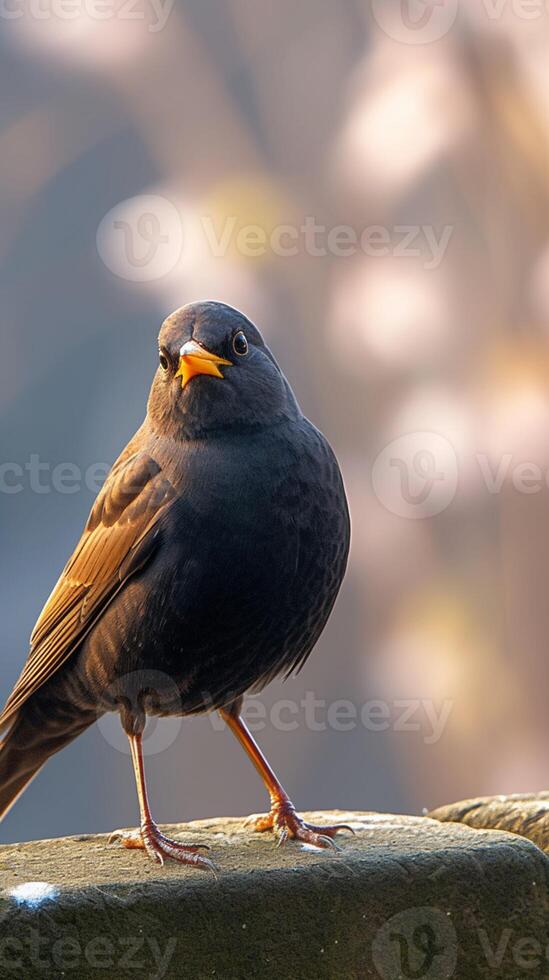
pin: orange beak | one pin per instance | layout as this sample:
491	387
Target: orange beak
194	359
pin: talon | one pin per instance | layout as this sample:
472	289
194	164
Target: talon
128	838
340	826
159	847
285	824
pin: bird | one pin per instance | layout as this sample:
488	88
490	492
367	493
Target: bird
209	565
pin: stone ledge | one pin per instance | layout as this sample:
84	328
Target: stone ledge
406	896
526	814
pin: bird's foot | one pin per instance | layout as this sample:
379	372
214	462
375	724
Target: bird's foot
159	847
286	824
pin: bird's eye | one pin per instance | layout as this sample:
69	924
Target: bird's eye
240	344
164	361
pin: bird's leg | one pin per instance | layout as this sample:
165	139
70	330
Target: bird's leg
282	819
149	837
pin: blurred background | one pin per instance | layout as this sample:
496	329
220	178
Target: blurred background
369	182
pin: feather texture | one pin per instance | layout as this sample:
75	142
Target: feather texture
119	539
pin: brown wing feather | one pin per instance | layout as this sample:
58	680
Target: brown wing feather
119	538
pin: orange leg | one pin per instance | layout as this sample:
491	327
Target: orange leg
282	819
149	837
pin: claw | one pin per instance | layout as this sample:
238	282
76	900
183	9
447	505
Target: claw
158	847
286	824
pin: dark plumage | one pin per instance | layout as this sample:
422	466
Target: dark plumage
210	563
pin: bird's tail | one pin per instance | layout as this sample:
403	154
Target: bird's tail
28	744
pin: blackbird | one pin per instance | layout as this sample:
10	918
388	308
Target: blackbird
209	565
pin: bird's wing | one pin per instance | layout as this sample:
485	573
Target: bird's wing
120	538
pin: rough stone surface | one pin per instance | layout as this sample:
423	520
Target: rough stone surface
407	897
524	814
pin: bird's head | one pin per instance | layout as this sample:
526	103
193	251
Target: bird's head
216	373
